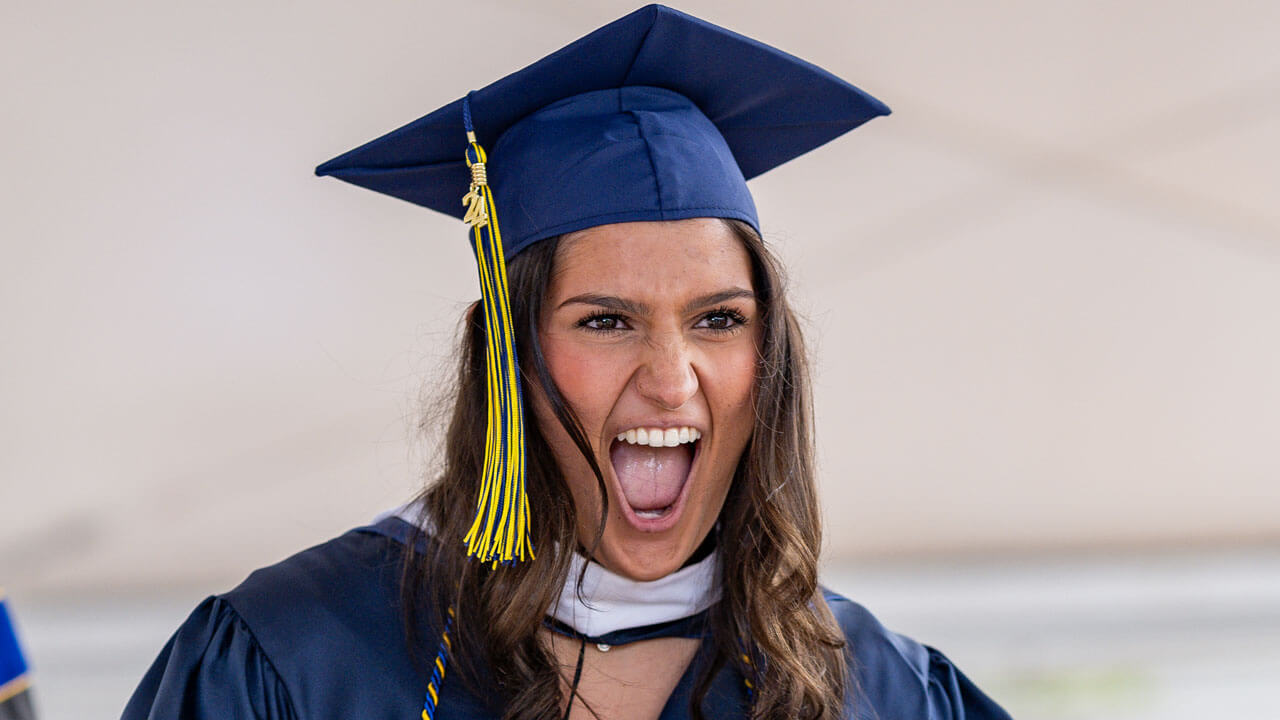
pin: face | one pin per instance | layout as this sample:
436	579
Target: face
651	332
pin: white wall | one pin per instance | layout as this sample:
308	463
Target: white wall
1042	294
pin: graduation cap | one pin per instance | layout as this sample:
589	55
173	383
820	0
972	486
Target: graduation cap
655	116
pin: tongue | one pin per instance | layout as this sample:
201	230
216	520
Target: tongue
651	477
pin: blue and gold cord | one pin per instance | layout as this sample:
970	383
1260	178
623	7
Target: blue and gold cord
748	671
437	672
500	531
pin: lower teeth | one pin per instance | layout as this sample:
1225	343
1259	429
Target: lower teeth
651	513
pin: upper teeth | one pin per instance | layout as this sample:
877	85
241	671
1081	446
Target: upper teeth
658	437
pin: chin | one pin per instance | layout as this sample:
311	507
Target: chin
642	561
644	556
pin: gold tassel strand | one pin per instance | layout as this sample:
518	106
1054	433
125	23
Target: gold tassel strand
500	531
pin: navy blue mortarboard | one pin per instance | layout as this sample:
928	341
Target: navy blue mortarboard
656	116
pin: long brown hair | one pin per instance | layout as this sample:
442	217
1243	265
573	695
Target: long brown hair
770	527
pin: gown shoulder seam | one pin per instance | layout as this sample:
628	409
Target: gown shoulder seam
262	651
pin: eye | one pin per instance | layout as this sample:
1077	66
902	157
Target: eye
604	323
722	320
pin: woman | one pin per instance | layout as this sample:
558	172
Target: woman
641	540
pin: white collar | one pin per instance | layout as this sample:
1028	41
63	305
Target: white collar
611	602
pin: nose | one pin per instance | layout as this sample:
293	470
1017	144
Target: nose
666	377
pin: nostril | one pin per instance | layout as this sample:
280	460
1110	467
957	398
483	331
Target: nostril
668	385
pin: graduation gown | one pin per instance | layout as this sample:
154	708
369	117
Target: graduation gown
321	635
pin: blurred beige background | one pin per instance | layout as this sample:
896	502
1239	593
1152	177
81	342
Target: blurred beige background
1043	294
1043	297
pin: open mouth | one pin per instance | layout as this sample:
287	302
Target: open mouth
652	466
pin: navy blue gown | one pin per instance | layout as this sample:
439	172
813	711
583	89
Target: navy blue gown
320	635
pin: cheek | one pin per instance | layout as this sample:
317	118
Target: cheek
589	380
733	392
574	470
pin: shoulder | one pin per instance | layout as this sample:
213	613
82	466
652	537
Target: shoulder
890	670
897	677
319	634
353	575
338	601
871	643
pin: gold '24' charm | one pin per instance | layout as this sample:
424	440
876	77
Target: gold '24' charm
477	214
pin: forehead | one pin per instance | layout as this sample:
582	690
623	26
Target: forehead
654	260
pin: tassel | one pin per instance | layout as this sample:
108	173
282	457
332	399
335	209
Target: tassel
500	531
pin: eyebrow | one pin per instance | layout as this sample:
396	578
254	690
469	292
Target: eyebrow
632	307
718	298
607	301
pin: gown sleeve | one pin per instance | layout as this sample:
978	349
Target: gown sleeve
212	667
898	678
952	696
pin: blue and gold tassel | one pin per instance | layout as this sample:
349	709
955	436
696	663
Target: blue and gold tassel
500	531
